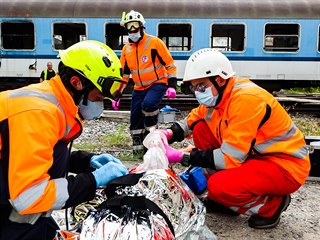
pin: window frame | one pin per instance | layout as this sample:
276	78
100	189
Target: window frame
17	22
298	35
63	22
189	38
229	23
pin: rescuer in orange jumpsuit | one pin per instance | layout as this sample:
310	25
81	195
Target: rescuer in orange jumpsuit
251	152
37	124
149	63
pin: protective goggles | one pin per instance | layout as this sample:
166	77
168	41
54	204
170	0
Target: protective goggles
112	88
199	88
132	26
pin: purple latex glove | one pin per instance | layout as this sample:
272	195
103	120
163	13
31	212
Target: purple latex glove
172	154
115	104
171	93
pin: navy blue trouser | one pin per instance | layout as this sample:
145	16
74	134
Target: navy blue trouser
146	101
45	227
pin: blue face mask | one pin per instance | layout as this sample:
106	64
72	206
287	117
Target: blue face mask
206	98
92	111
134	36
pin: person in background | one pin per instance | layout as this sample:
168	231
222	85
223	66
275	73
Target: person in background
48	73
251	152
37	126
148	61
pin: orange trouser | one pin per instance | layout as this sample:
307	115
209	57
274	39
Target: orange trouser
254	188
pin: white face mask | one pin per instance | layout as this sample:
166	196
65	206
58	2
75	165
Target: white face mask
206	98
134	36
92	111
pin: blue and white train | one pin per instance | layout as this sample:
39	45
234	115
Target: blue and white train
274	43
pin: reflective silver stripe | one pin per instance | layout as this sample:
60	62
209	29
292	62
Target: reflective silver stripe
170	66
184	125
152	127
29	196
146	46
32	194
26	218
255	210
248	205
126	75
128	48
150	114
146	70
243	85
137	131
235	208
261	147
301	153
172	76
137	147
226	148
33	93
62	193
219	159
209	114
45	96
144	83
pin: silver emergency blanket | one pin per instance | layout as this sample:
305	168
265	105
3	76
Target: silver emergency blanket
165	188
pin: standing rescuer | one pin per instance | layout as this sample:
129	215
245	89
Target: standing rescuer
252	153
37	124
149	63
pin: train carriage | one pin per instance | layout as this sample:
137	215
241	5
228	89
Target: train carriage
274	43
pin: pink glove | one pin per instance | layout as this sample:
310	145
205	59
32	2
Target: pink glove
115	104
171	93
172	154
166	133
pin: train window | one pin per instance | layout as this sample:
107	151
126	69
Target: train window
67	34
17	35
281	37
228	37
319	39
176	36
116	36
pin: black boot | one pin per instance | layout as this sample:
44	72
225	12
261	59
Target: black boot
270	222
137	146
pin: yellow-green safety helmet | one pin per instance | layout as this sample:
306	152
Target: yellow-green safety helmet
98	63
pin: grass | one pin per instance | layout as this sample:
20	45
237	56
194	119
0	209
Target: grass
307	90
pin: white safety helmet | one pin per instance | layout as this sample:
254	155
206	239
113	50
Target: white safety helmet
207	62
132	16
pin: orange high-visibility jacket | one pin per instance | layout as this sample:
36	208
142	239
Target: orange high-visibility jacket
250	121
37	116
148	62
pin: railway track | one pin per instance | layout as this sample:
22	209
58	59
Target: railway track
300	103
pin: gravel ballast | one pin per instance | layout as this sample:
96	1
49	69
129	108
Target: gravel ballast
300	221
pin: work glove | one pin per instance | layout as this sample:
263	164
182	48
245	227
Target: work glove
167	133
171	93
97	161
172	154
108	172
115	104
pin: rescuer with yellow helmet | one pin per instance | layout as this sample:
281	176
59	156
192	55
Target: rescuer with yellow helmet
37	123
147	60
253	161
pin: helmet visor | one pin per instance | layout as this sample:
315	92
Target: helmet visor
131	26
112	88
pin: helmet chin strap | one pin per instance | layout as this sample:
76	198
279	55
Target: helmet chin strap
219	89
